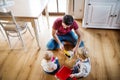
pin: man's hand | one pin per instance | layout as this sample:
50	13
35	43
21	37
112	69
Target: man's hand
75	49
61	46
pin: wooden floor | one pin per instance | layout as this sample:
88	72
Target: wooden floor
24	64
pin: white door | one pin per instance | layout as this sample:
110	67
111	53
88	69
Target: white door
99	14
116	16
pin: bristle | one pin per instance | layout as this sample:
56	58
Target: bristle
67	55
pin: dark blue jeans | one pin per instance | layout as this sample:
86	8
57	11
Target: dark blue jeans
70	37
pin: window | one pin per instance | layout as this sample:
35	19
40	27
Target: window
57	6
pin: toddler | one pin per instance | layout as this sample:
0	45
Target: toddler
82	67
49	63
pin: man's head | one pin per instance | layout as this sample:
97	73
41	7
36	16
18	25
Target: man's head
67	21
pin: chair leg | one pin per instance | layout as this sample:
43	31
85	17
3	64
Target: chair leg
8	39
2	33
21	39
30	31
18	36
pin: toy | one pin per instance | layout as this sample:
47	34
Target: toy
66	53
69	54
53	58
64	74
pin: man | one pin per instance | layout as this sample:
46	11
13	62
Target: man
62	31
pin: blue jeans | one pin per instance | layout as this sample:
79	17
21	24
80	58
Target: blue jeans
70	37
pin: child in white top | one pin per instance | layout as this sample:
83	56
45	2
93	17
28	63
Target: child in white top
49	63
82	67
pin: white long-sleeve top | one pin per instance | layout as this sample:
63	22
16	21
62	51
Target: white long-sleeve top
84	69
48	66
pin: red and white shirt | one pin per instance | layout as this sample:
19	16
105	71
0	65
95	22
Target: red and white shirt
62	31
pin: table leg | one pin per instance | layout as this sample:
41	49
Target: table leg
47	15
35	26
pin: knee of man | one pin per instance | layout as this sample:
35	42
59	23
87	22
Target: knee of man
50	46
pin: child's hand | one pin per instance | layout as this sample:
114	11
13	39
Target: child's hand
71	75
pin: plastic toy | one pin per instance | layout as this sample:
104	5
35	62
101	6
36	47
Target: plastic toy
64	74
69	54
53	58
66	53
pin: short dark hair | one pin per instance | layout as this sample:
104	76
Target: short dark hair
68	20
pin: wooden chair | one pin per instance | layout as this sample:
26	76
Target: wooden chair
12	27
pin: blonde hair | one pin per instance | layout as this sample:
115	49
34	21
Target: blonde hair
82	53
48	55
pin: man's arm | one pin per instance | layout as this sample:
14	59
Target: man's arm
56	38
78	41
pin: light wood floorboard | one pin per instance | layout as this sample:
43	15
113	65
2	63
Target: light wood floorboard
24	64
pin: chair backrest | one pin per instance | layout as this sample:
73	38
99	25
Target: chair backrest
9	15
11	27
